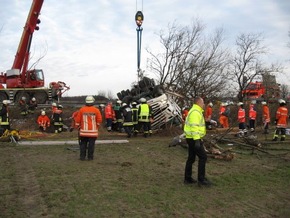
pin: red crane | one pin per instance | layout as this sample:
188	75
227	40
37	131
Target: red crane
19	80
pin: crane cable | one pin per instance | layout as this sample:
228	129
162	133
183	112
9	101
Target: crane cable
139	20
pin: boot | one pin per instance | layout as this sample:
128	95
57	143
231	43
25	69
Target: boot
275	138
282	138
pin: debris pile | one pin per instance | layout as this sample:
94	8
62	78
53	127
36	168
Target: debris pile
164	109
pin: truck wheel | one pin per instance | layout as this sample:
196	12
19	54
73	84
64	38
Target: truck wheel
21	94
3	96
41	97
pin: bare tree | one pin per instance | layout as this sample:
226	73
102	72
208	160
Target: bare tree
284	91
246	63
192	63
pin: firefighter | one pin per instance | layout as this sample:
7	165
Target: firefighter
43	121
195	130
109	116
73	120
118	116
242	120
127	119
151	120
4	117
53	107
184	113
57	119
88	121
266	117
32	105
252	116
135	117
23	106
208	116
281	121
224	114
144	112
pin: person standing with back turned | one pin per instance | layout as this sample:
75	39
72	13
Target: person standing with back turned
195	130
88	121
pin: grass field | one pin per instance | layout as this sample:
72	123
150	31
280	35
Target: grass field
142	178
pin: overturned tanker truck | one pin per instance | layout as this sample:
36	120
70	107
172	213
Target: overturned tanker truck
164	109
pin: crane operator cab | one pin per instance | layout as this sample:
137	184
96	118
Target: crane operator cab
36	78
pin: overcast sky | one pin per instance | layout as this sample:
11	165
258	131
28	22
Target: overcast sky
92	45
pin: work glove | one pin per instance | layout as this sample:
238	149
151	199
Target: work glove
197	144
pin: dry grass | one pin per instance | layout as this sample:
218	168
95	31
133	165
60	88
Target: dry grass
142	178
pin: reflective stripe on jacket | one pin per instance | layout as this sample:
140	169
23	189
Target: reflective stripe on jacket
282	117
144	113
195	124
89	119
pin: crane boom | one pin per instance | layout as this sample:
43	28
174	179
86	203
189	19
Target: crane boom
22	55
21	82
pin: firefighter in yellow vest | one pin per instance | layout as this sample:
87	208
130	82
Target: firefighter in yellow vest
144	113
195	130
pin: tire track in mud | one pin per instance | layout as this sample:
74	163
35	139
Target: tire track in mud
29	190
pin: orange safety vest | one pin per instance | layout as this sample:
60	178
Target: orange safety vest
109	112
241	115
208	113
252	113
43	121
89	119
266	114
184	114
282	117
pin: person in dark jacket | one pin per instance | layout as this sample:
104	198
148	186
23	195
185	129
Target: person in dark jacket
57	119
127	119
135	117
4	117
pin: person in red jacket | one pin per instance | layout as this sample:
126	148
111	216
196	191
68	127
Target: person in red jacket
43	121
224	113
109	115
242	120
88	121
208	117
73	120
281	121
266	117
252	116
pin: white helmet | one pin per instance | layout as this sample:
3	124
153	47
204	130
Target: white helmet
42	113
119	102
90	99
23	98
240	103
134	103
124	104
142	100
33	99
253	102
5	102
263	103
210	104
281	101
53	104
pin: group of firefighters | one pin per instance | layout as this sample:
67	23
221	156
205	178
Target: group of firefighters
130	118
281	118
